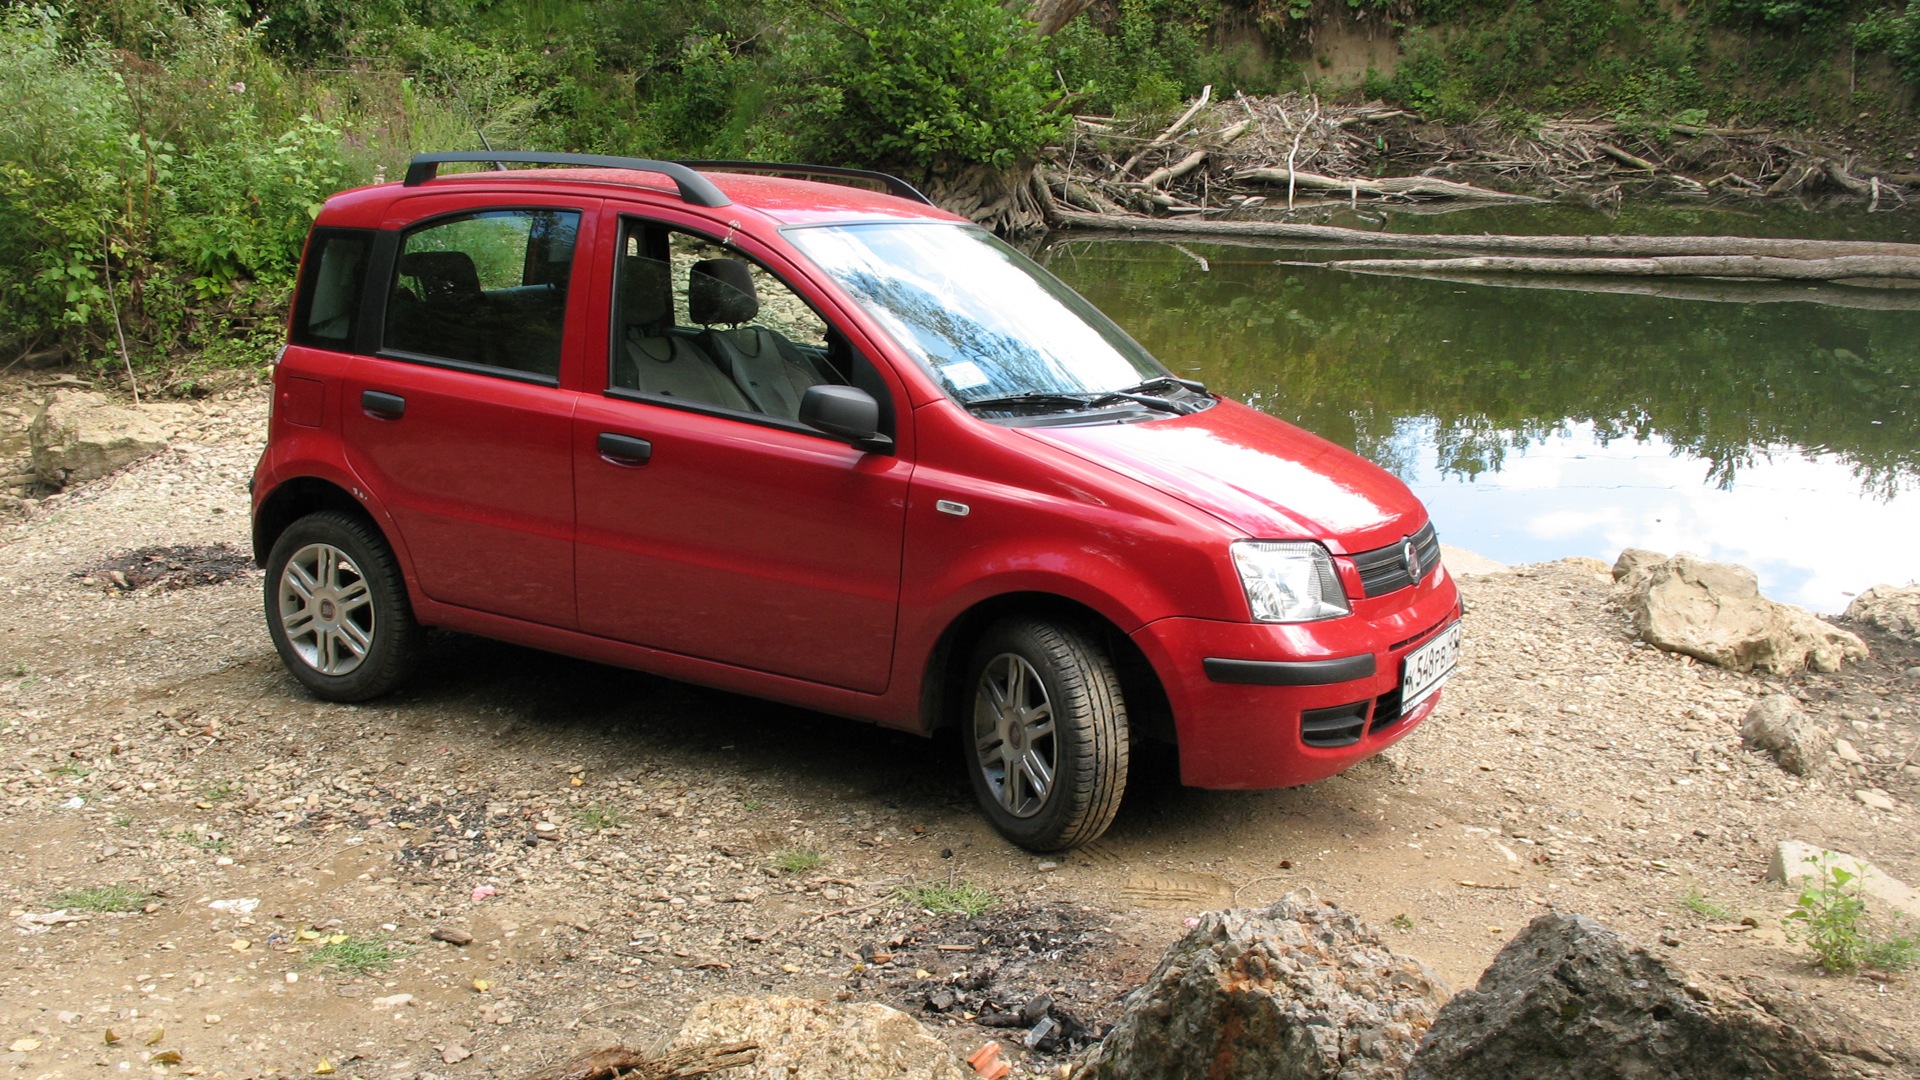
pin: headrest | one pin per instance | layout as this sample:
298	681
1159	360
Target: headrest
644	300
447	278
721	291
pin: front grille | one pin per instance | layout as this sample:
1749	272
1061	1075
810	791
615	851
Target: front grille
1341	725
1384	569
1386	712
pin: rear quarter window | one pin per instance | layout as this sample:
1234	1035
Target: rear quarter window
327	311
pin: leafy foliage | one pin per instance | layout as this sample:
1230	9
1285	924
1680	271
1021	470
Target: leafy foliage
1831	918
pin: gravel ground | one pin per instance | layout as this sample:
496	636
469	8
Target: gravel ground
603	848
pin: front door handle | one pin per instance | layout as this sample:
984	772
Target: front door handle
383	406
625	449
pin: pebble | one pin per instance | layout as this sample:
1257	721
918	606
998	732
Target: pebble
1874	798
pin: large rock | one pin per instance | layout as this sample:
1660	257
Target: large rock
1893	609
803	1039
1777	724
1569	1000
79	436
1714	612
1298	991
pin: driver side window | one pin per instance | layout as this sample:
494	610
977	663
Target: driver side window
695	322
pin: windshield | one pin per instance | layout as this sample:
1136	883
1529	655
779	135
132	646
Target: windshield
983	319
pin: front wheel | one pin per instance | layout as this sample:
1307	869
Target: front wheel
1046	736
337	608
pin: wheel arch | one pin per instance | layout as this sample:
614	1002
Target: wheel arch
295	499
944	689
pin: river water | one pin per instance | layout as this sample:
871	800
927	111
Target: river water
1773	426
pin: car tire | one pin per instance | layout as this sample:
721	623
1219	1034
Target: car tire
1044	733
337	608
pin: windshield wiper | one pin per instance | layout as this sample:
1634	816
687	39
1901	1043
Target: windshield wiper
1088	400
1159	381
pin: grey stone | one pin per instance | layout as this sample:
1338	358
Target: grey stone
1777	724
1714	612
1891	608
1569	1000
1795	863
803	1039
1298	991
79	436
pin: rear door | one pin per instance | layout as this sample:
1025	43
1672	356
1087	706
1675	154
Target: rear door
459	419
713	529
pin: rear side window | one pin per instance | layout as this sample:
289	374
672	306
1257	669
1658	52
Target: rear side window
488	289
328	310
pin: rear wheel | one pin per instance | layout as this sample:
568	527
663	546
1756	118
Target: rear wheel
1045	734
337	608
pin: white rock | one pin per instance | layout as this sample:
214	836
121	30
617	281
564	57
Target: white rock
1714	612
1795	864
1847	753
802	1039
1876	799
1895	610
1777	724
79	436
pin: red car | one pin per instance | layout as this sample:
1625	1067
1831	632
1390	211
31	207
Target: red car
830	446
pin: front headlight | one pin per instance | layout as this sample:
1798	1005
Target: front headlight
1289	582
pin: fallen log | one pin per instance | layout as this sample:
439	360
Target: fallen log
1714	291
1625	158
1736	266
1396	185
1160	177
1610	246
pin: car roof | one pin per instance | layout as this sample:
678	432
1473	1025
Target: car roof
783	200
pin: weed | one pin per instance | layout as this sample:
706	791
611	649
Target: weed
960	897
1700	904
1402	922
209	842
215	792
601	817
751	805
1830	917
797	860
70	770
19	670
355	955
122	821
102	898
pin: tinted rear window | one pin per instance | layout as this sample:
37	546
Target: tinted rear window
328	309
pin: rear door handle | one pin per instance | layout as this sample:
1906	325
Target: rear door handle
382	405
625	449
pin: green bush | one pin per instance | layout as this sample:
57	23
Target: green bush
926	82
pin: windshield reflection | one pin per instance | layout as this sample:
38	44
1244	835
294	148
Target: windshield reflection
978	316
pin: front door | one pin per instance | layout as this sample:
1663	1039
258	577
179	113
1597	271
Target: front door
709	525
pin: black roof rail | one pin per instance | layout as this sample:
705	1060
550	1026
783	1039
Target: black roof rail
694	188
894	185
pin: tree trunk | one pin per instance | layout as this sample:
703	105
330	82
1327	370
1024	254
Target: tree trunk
1832	268
1606	246
1049	15
1001	201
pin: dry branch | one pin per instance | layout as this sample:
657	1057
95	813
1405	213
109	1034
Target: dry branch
1397	185
626	1063
1739	266
1165	137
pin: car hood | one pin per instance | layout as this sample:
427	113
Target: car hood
1262	476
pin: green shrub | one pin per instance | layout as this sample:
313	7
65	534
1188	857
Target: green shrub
1831	918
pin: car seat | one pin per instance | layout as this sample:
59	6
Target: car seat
649	359
768	369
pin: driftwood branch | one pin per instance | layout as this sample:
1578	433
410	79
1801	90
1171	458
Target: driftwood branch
1598	246
626	1063
1397	185
1160	177
1167	136
1739	266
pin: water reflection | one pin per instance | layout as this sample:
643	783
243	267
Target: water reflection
1541	422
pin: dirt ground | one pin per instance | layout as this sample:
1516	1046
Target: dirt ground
615	847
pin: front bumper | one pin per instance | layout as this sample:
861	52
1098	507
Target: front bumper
1278	705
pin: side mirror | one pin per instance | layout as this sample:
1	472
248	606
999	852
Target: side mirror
846	411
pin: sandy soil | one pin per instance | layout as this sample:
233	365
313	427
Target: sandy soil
619	847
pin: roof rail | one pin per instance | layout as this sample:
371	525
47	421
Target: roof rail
894	185
694	188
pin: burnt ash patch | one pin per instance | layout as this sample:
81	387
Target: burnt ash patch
1040	977
173	567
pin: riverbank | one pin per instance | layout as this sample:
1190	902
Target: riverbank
615	848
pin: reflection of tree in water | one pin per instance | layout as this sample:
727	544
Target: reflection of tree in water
1498	370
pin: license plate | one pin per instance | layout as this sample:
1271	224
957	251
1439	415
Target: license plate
1426	667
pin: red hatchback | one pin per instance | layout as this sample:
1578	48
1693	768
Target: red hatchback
833	447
